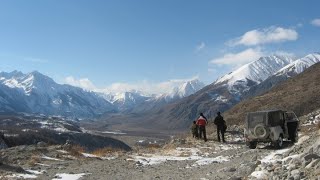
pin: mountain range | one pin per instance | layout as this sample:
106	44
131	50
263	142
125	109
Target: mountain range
245	82
36	93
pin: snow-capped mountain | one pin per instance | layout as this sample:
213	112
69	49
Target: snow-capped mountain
127	100
186	89
221	95
253	73
298	66
37	93
135	101
294	68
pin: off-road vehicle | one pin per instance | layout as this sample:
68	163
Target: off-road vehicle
270	126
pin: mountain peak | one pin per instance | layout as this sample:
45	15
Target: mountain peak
256	71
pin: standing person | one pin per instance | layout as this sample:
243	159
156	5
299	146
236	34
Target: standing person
202	122
220	123
194	130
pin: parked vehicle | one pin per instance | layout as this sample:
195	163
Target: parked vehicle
270	126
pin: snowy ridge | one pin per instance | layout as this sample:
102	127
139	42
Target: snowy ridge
256	71
36	93
128	100
186	89
299	65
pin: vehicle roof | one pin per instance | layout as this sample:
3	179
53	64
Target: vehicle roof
267	111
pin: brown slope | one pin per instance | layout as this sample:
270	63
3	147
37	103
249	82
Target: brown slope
179	115
300	94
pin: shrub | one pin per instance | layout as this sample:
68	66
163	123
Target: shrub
34	159
76	150
105	151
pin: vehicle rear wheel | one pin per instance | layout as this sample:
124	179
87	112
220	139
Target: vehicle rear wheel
252	144
279	143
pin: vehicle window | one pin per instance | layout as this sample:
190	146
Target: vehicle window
256	118
275	119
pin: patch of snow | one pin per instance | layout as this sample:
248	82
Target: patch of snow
65	176
206	161
89	155
259	175
179	154
63	151
11	135
221	99
35	172
57	101
109	158
23	176
61	129
45	165
302	139
50	158
273	157
113	132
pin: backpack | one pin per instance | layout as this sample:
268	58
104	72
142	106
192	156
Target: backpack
225	127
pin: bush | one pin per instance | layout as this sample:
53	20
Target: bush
76	150
105	151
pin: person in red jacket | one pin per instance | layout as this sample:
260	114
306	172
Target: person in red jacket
202	122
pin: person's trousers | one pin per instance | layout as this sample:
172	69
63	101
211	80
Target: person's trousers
202	131
220	130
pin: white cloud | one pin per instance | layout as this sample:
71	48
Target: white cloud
84	83
35	60
201	46
316	22
145	86
264	36
284	53
240	58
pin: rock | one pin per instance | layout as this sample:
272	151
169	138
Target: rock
309	157
275	178
292	167
232	169
270	168
254	158
313	163
41	144
235	178
295	172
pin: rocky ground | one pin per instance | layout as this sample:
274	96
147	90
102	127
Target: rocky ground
181	158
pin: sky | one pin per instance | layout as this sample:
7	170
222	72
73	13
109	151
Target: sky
150	45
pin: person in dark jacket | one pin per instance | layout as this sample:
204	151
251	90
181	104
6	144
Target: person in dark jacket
202	122
194	130
220	123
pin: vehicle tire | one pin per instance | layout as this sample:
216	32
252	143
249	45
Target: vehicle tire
279	143
252	144
260	131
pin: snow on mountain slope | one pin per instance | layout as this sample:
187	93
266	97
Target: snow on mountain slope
291	70
187	89
258	70
40	94
131	100
253	73
299	65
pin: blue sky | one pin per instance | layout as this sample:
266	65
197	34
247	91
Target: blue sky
129	44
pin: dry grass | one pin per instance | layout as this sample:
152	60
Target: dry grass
76	150
34	159
105	151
